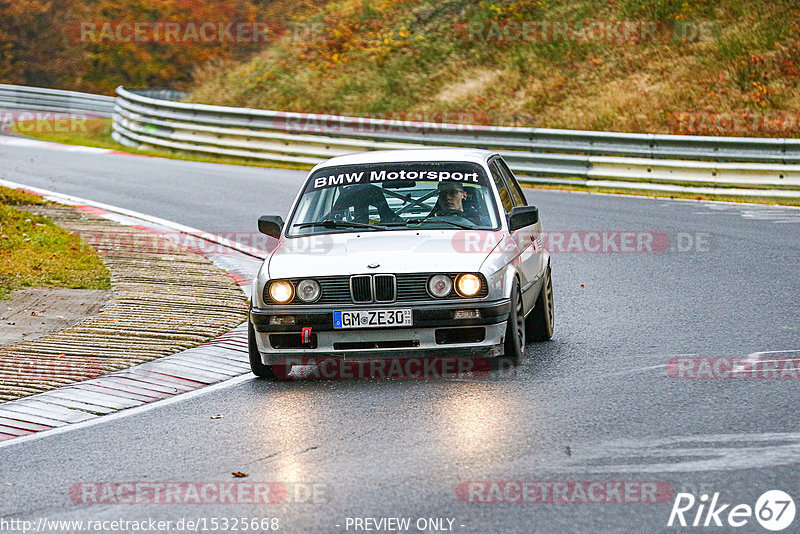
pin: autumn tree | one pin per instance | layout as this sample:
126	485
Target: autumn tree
94	45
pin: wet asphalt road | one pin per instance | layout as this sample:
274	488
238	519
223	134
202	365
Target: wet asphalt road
593	404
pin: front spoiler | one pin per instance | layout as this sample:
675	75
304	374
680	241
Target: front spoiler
425	315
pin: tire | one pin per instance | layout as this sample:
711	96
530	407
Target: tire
539	324
258	368
515	328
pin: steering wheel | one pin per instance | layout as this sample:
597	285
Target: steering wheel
458	215
450	213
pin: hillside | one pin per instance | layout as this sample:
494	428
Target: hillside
675	66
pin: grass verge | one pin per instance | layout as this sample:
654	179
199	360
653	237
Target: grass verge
34	252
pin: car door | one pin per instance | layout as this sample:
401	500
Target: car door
527	239
511	248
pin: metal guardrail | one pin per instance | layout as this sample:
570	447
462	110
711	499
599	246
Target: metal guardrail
23	98
142	121
154	119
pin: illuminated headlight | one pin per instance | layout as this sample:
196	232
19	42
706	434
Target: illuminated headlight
468	285
440	285
308	290
281	291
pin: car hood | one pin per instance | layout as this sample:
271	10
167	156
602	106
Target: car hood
396	251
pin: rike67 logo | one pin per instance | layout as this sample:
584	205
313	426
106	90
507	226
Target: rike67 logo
774	510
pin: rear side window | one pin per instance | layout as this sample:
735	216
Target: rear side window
505	196
513	185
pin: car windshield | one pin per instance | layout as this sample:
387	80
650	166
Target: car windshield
395	196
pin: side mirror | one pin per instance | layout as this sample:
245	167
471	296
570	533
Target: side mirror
271	225
522	216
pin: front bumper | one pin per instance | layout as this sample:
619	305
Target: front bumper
435	332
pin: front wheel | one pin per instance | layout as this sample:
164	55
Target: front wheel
539	324
515	328
257	366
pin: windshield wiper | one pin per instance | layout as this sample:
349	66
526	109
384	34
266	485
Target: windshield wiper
329	223
419	222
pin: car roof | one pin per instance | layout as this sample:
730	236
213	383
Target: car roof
411	155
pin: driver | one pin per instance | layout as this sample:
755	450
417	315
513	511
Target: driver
452	196
451	202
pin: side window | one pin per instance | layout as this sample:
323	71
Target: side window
505	197
513	185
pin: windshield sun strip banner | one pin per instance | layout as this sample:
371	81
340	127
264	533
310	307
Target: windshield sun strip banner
463	173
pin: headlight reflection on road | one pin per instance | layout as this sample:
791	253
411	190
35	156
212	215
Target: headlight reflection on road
289	424
475	420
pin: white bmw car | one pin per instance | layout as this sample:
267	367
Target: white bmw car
430	252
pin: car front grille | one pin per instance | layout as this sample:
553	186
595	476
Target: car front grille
413	287
380	289
384	288
361	289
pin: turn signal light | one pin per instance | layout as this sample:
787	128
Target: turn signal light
281	319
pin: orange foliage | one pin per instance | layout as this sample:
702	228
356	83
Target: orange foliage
96	45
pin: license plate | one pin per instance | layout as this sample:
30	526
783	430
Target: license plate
371	318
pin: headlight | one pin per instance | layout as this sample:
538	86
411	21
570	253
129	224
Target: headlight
281	291
440	285
308	290
468	285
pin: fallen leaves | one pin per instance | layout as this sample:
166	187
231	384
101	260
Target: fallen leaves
239	474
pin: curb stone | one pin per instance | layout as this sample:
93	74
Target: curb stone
165	301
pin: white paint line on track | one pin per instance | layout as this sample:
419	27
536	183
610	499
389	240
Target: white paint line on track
128	412
632	371
171	225
751	359
24	142
683	454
